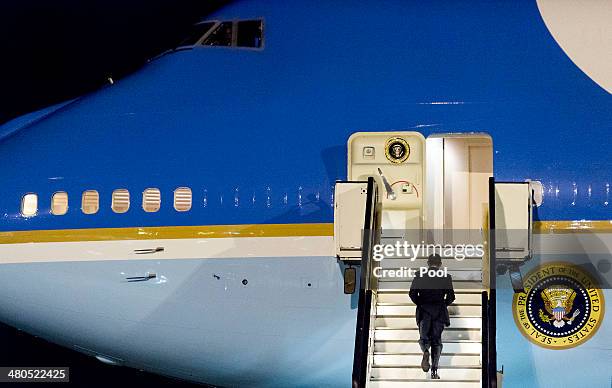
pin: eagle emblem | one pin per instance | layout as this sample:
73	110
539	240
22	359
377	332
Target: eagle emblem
558	302
397	150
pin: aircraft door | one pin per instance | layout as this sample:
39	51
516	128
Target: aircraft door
396	161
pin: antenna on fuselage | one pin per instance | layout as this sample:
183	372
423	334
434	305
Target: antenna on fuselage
390	193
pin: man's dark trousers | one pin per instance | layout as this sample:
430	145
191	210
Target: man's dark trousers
430	333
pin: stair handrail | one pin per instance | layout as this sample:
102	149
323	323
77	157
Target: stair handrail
489	306
362	331
484	353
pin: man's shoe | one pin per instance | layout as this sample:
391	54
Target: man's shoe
434	374
425	362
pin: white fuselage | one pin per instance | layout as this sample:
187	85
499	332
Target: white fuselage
267	311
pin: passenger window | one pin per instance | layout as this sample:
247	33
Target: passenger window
250	33
151	200
182	199
59	203
29	205
221	36
121	201
90	202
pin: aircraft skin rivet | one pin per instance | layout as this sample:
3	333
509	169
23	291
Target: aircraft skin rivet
245	282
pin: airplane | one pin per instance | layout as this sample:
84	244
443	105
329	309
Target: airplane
212	216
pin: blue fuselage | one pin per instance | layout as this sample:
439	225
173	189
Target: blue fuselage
260	135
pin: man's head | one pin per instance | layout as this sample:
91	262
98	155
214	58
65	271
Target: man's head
434	261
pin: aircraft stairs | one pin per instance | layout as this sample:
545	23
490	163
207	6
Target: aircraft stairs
387	352
396	356
431	191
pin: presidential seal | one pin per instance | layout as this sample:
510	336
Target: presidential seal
560	308
397	150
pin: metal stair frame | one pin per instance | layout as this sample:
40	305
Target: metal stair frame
363	361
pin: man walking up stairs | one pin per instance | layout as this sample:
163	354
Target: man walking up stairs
432	295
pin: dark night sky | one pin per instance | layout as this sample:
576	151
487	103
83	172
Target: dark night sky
57	50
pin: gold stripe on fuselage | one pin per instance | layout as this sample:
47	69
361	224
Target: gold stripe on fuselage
167	232
226	231
603	226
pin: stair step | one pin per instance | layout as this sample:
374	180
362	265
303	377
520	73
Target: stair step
412	373
410	322
413	347
425	383
458	285
413	335
399	360
457	275
451	264
402	297
463	311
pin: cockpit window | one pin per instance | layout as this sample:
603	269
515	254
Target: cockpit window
237	33
221	36
196	33
241	33
250	33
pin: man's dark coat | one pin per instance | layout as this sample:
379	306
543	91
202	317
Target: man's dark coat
432	296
